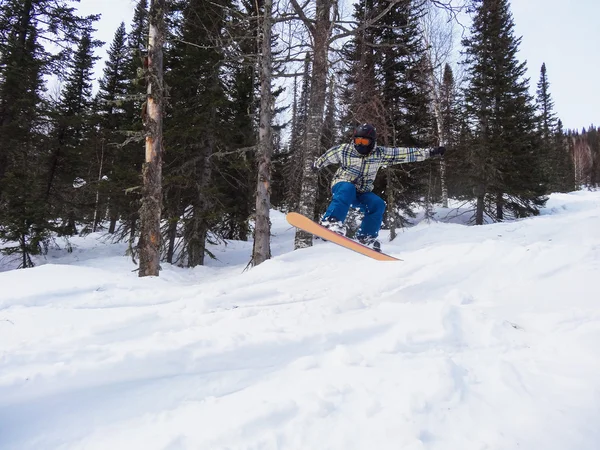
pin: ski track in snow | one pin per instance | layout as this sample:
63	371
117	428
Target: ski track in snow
482	338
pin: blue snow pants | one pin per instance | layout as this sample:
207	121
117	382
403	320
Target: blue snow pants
345	196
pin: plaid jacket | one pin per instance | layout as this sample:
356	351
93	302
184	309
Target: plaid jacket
362	170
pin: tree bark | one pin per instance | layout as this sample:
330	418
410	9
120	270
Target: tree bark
499	207
479	210
9	104
391	212
262	232
150	212
113	224
197	227
321	31
97	206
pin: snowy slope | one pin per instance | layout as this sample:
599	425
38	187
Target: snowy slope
482	338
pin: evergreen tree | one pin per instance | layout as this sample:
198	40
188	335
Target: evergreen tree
113	85
563	163
124	181
24	61
70	158
545	105
558	171
293	161
593	141
23	221
505	165
113	122
386	85
195	126
455	173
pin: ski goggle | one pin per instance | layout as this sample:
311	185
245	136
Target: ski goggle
362	141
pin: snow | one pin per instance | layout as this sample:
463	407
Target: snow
481	338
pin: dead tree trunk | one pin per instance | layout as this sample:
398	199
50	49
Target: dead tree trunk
150	212
437	34
262	231
97	205
321	32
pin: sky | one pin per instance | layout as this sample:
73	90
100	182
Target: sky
563	35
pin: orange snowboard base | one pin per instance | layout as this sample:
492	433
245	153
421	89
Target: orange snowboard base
304	223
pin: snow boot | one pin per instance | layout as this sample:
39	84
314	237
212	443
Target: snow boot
370	241
334	225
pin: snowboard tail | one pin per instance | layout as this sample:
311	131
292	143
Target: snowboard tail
304	223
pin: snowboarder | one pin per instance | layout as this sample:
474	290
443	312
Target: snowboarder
352	184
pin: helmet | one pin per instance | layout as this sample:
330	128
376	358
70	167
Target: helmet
364	138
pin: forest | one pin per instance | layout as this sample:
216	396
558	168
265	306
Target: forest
209	114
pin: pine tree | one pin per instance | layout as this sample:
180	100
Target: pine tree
320	29
235	175
456	136
565	182
112	122
113	85
557	164
24	61
293	161
23	220
505	165
593	140
70	158
545	105
195	123
387	86
124	181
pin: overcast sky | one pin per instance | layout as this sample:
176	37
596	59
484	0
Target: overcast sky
564	35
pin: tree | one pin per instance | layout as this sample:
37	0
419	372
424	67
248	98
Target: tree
198	122
70	158
293	164
24	62
545	105
320	30
558	170
262	232
388	85
125	180
110	106
438	35
150	212
505	168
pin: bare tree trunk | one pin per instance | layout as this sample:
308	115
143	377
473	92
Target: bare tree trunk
96	213
113	224
444	184
321	32
150	212
197	227
174	216
391	201
172	234
499	207
262	231
438	38
479	210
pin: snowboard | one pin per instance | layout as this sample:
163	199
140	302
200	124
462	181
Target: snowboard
304	223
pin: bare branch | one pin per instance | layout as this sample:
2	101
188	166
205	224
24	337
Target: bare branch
300	11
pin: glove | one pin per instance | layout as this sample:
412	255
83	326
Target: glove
437	151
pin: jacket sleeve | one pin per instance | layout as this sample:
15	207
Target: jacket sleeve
331	156
400	155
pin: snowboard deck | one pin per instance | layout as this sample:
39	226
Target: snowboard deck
304	223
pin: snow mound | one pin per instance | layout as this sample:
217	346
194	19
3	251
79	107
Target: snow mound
482	338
